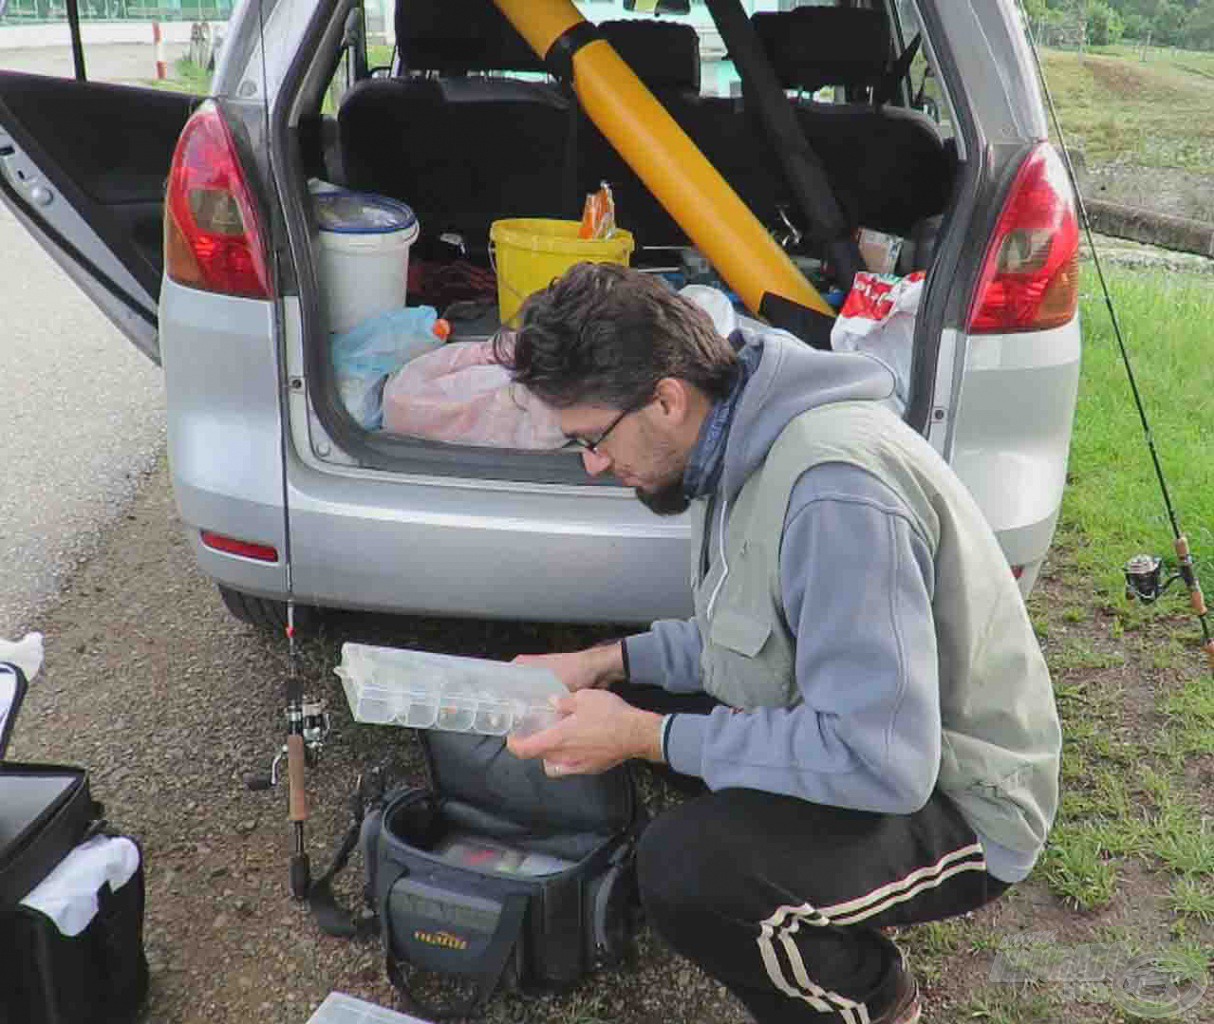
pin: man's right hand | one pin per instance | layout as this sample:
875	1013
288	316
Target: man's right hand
595	668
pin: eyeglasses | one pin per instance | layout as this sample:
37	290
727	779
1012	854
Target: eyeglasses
593	446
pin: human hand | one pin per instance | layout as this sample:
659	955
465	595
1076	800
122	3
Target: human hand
597	731
593	668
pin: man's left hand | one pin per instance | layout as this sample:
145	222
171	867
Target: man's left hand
597	731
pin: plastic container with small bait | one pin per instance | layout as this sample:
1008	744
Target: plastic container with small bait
420	690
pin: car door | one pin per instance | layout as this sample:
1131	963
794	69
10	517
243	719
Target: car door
83	167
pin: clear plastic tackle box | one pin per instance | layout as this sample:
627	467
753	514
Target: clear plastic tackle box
339	1008
420	690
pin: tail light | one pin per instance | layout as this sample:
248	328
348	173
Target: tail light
244	548
213	238
1030	276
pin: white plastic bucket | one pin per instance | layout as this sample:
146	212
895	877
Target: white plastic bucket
363	255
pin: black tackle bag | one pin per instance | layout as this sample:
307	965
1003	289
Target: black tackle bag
71	895
495	875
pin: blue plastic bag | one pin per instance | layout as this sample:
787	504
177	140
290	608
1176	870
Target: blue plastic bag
365	356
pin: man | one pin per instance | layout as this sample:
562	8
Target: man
871	713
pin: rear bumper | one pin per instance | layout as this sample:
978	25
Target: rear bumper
465	548
450	546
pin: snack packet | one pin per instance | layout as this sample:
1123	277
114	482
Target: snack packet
598	214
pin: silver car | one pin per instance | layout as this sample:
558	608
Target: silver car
191	224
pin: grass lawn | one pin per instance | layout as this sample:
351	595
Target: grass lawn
1129	870
1153	113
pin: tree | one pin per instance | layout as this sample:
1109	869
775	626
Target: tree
1137	26
1104	24
1199	28
1168	23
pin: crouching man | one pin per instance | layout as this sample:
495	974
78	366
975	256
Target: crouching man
860	689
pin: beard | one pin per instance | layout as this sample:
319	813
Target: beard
667	500
668	464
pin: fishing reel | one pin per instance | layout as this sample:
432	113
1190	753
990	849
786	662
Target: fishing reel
1144	578
309	719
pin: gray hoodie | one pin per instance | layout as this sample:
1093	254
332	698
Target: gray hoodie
866	733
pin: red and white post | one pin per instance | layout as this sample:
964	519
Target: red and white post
162	68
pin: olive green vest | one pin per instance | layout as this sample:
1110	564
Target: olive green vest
1001	738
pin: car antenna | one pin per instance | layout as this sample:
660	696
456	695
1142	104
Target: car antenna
1143	573
307	720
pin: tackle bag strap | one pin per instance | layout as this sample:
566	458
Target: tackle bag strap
496	956
332	918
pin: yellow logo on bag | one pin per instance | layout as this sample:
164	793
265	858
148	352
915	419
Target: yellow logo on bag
444	939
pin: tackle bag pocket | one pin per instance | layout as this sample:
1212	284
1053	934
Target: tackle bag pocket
72	948
494	874
492	903
45	811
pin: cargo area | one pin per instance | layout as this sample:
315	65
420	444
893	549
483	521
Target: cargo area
466	129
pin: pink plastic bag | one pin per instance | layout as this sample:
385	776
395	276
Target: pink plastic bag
459	394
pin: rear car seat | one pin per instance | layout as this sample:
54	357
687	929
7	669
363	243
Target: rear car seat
460	147
888	165
464	149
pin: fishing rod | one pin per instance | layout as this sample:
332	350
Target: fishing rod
307	720
1143	573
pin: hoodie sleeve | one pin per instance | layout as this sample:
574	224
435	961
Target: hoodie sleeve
856	580
667	656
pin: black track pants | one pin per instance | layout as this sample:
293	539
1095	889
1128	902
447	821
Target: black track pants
781	899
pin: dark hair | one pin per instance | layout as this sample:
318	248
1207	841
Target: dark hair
603	334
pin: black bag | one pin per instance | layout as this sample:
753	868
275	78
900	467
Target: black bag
97	974
496	874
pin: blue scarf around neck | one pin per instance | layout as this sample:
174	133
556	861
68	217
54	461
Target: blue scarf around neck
707	458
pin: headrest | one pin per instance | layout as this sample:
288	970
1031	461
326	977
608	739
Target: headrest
810	47
664	55
457	36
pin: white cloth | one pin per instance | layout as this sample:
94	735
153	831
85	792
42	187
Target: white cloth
25	653
68	895
716	304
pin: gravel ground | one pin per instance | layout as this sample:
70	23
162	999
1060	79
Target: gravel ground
168	701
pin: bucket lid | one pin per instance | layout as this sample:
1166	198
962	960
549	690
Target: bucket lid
361	213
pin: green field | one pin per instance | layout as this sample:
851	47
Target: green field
1114	499
1157	112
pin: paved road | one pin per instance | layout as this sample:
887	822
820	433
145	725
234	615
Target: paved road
128	63
81	424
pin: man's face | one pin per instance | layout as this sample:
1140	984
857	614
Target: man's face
639	448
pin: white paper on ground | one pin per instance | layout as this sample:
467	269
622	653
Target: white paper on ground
339	1008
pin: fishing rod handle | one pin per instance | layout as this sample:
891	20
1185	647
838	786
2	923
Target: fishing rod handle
1196	597
295	778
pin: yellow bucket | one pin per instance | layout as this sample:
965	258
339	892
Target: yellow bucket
530	253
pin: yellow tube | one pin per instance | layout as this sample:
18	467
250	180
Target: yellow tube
667	161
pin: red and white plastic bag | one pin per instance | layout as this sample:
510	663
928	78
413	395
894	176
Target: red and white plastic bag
878	319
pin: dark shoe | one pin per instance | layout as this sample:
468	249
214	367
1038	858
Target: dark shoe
905	1007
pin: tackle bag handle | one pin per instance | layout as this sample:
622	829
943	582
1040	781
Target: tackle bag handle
485	982
11	703
332	918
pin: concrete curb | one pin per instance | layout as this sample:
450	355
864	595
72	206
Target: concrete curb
1176	233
